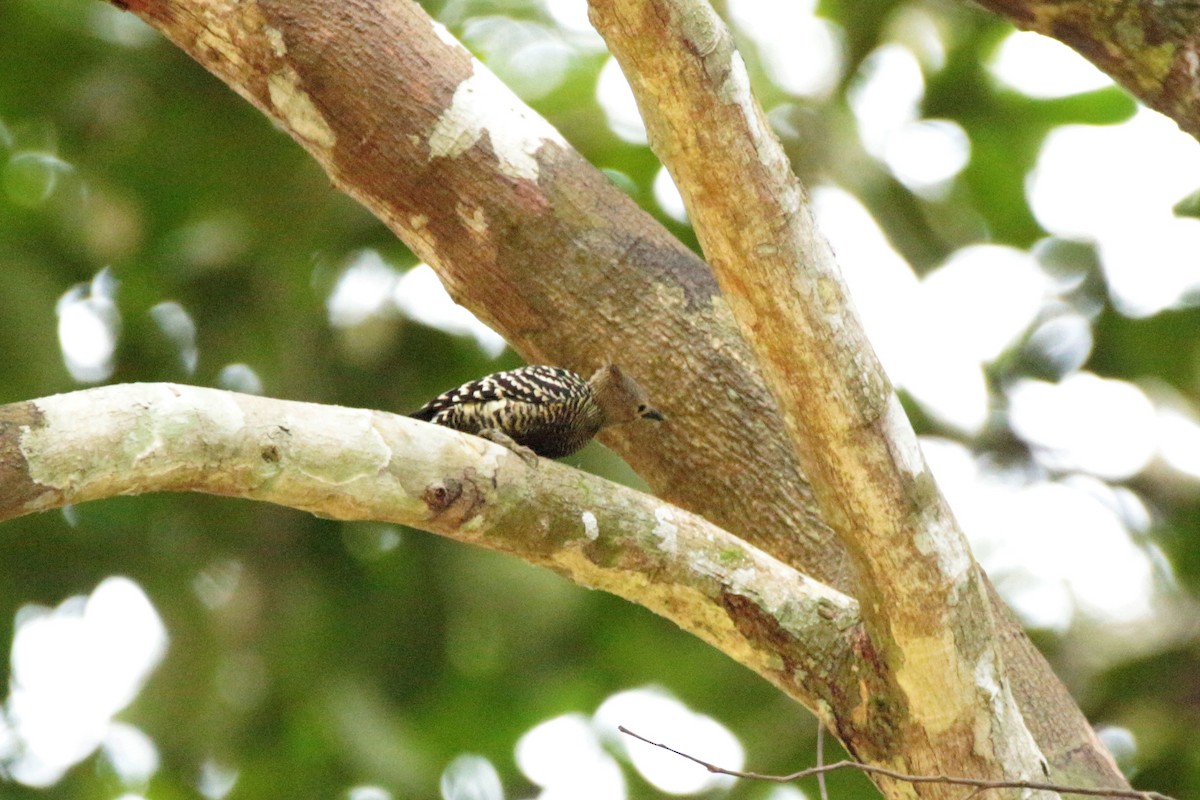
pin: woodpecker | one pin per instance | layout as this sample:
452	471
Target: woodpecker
549	411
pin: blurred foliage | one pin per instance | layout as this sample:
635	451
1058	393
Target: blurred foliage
339	654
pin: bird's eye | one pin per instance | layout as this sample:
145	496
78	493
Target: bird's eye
642	408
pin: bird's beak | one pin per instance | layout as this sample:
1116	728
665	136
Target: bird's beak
654	414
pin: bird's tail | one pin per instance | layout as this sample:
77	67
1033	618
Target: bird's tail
425	413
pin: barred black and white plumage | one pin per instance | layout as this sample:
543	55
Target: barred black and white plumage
552	411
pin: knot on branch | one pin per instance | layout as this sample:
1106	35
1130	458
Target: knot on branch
439	496
454	500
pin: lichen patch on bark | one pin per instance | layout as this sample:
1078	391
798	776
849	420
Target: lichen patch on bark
17	489
483	105
361	451
298	109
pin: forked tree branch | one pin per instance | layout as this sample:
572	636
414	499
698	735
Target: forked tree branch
536	242
525	233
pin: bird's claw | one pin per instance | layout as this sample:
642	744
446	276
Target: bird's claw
499	437
528	456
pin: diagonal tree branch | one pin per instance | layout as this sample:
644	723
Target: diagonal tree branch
925	601
354	464
1149	47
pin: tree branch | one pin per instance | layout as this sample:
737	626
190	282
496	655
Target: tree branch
354	464
980	785
1149	47
925	603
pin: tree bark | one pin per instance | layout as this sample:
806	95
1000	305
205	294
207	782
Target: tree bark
542	247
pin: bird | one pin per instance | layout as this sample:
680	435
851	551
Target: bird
541	410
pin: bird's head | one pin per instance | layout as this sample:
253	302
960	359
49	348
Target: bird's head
620	397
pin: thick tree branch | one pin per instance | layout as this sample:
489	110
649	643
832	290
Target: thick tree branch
948	709
525	233
354	464
1151	48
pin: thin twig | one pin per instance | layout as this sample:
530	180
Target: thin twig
979	783
821	760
